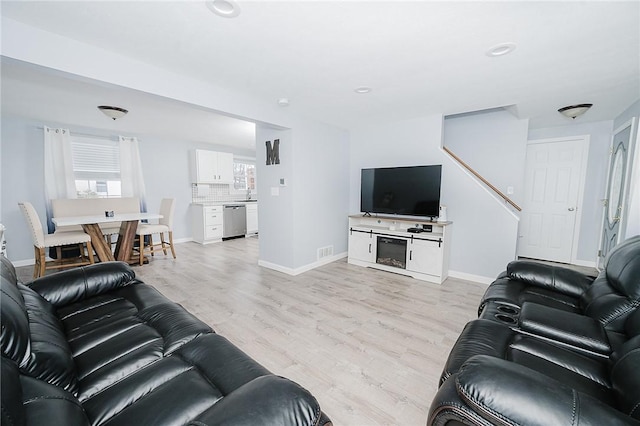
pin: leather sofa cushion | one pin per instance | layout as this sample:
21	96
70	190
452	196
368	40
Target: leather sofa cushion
602	302
117	333
525	397
623	268
267	400
33	338
29	401
82	283
50	358
625	376
15	322
557	279
490	338
177	388
576	330
517	292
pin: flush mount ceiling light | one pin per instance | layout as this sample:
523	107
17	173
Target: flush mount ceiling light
283	102
501	49
362	90
112	111
224	8
573	111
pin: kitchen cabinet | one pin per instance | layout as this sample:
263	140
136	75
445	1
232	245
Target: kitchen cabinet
252	218
211	166
207	223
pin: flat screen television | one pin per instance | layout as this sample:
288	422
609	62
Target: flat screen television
406	191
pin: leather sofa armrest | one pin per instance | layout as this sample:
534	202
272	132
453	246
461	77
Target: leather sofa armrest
555	278
490	390
266	400
572	329
74	285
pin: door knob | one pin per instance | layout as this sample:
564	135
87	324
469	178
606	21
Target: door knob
571	209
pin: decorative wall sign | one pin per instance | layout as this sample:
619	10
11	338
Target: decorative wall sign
273	152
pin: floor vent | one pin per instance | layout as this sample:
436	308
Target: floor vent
325	252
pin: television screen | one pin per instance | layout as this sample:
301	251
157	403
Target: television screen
410	191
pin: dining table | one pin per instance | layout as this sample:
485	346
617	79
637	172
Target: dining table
126	234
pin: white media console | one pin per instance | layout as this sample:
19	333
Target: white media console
383	242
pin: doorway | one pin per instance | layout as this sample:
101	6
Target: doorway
555	172
618	181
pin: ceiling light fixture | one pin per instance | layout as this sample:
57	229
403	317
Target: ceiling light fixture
224	8
283	102
573	111
112	111
501	49
362	90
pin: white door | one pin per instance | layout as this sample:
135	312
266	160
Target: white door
554	181
615	203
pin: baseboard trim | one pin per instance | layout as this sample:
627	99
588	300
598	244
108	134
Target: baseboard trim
585	263
26	262
182	240
470	277
302	269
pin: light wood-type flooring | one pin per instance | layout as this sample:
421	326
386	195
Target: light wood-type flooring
370	345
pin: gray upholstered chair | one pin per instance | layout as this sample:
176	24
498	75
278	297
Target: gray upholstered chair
57	240
164	225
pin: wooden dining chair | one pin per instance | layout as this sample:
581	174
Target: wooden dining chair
58	240
164	225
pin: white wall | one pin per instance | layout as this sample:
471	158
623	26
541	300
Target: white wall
483	139
591	209
311	210
275	214
165	168
484	232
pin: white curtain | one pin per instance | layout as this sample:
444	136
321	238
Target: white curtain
131	170
58	169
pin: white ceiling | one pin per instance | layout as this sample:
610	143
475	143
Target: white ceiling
419	57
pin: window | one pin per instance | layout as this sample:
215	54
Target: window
96	167
244	175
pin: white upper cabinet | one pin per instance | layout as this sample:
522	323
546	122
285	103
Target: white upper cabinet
211	167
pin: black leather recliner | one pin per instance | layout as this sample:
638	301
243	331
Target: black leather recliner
93	346
557	348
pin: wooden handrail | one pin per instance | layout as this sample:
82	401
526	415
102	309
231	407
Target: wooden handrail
486	182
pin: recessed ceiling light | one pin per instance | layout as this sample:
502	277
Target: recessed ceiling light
283	102
501	49
224	8
362	89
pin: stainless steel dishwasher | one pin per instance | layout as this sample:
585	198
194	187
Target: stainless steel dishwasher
234	219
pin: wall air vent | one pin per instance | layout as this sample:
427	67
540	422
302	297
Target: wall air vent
325	252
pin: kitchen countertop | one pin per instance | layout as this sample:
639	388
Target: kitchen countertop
225	203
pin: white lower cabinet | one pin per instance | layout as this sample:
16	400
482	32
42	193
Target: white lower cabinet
252	218
424	256
362	246
207	223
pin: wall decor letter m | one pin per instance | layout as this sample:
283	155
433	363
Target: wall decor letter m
273	152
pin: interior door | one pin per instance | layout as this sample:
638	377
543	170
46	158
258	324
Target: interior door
615	197
554	176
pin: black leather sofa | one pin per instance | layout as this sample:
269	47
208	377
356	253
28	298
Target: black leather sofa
96	346
550	347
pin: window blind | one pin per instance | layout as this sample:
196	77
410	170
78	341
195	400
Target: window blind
95	159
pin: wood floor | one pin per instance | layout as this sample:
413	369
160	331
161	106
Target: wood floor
370	345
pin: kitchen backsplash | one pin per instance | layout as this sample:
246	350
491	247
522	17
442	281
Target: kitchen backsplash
213	193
